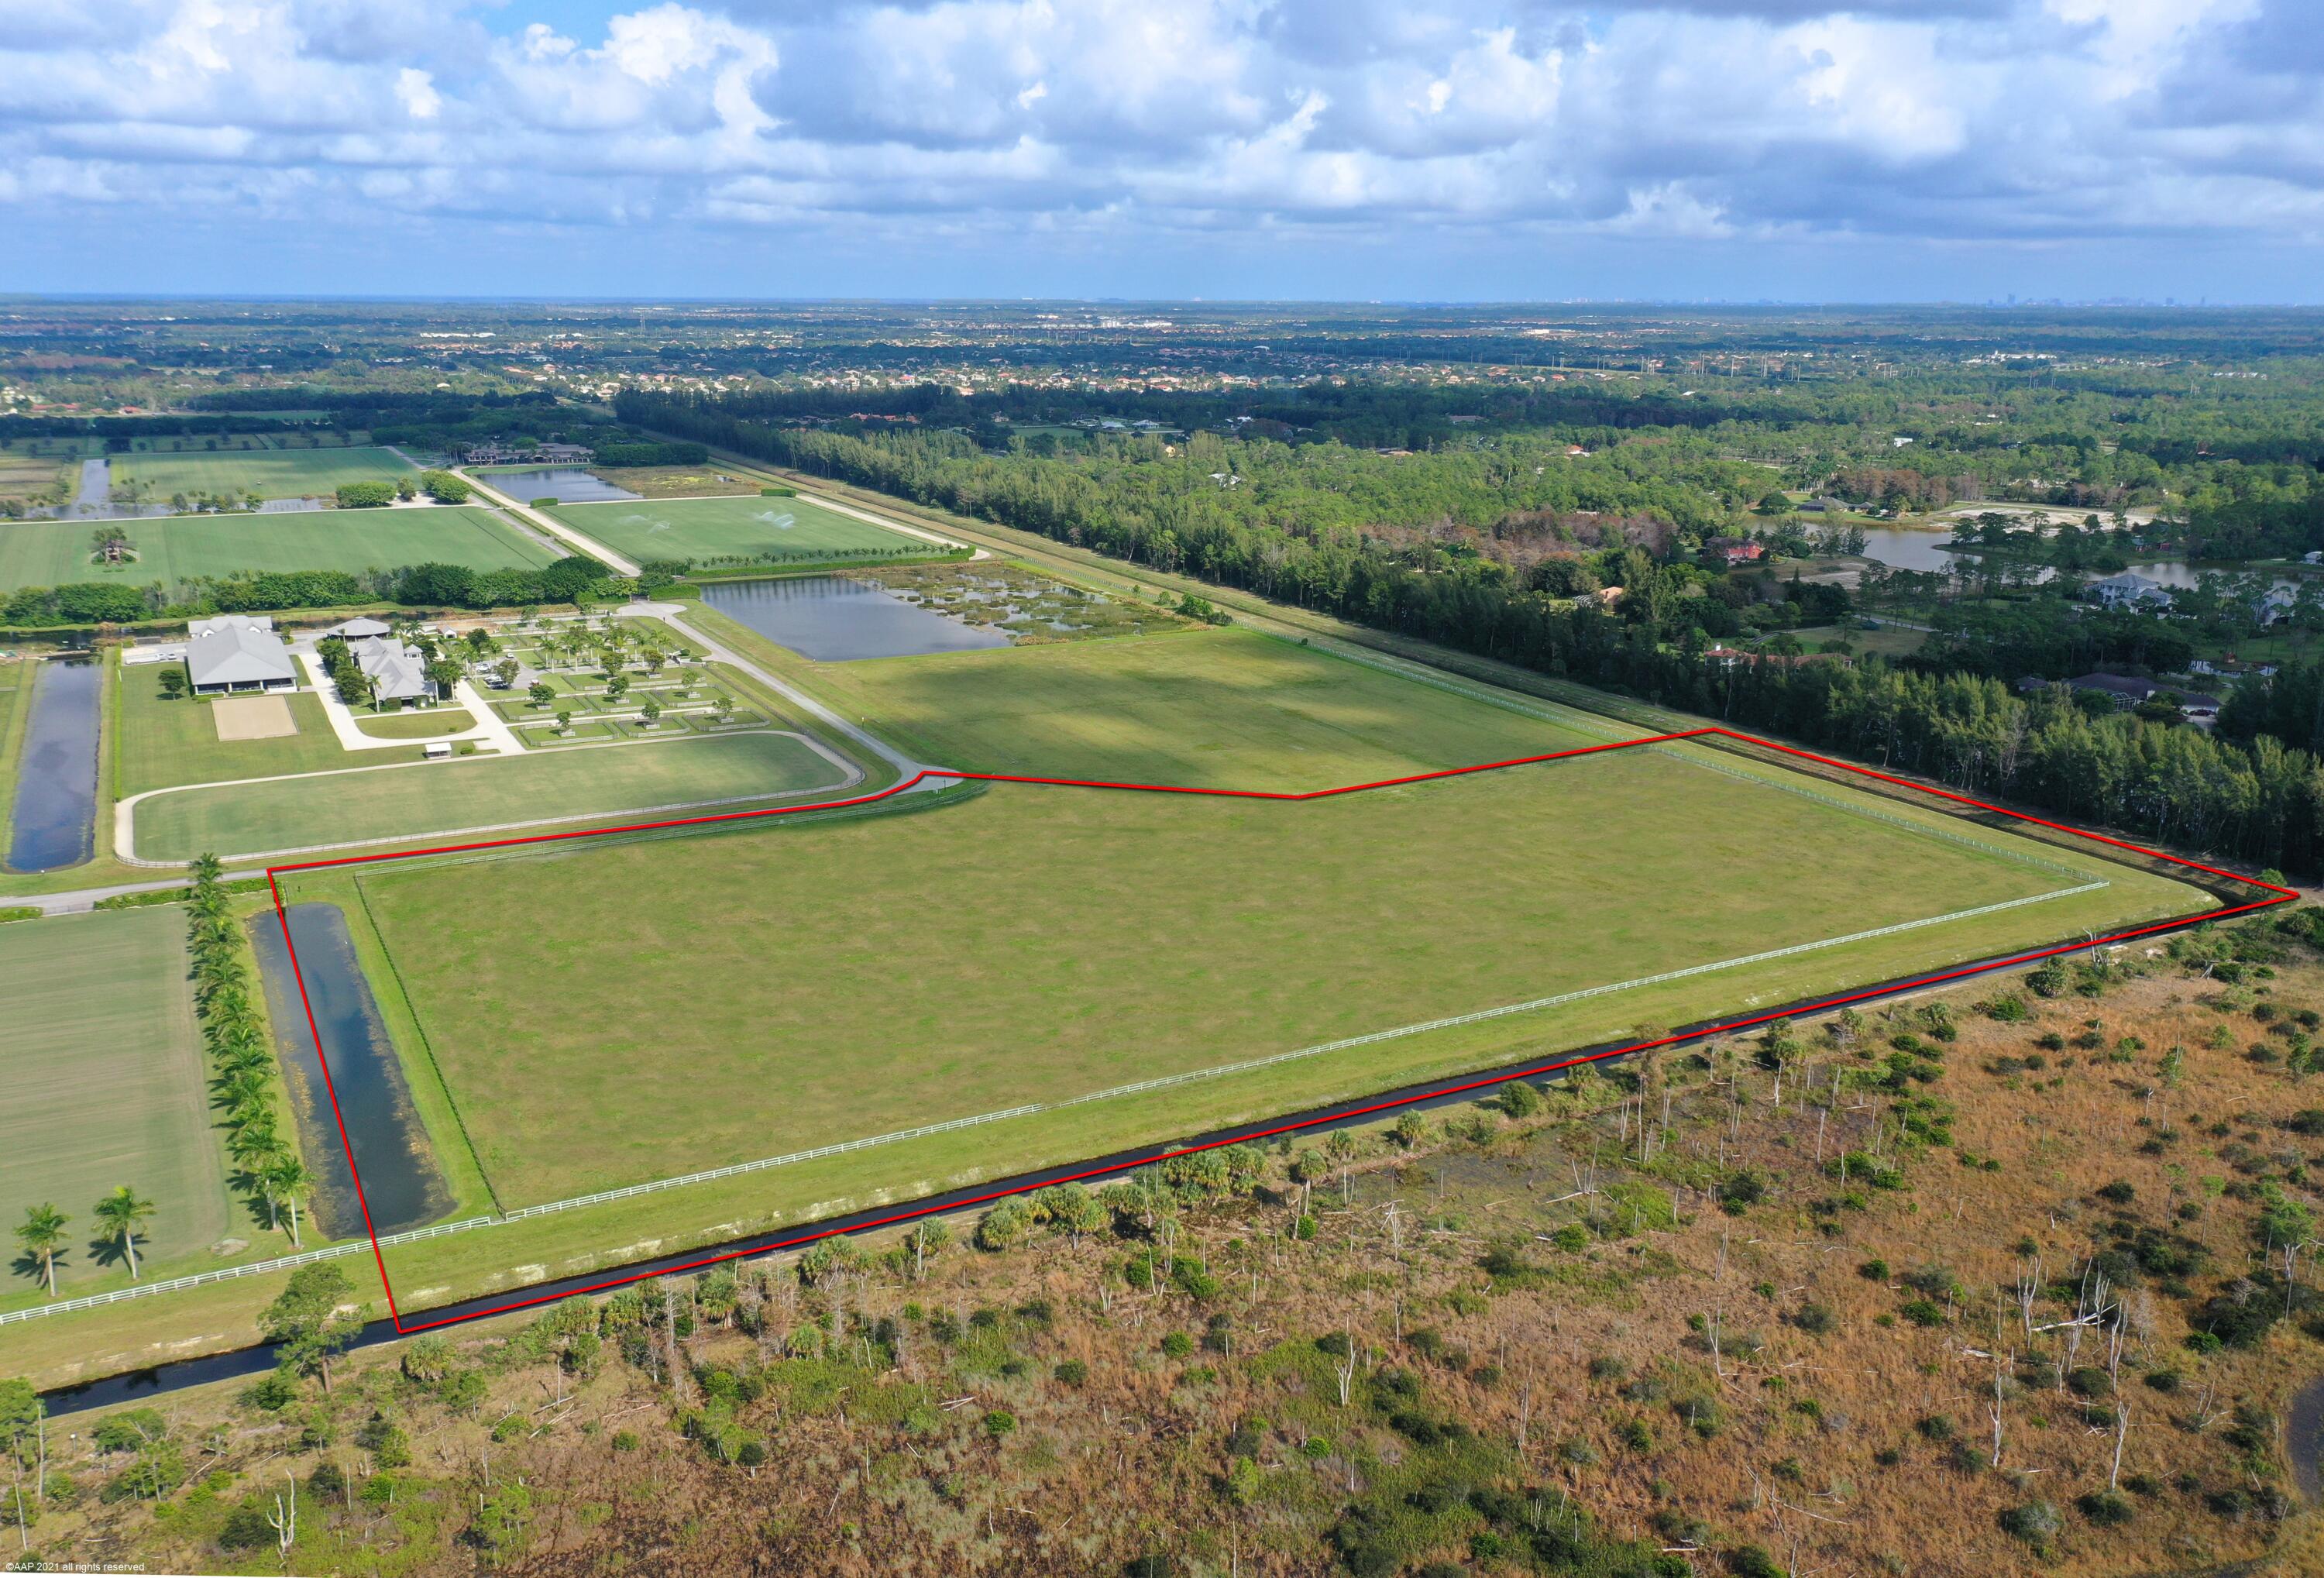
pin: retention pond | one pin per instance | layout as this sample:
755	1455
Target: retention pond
401	1182
567	485
54	823
834	619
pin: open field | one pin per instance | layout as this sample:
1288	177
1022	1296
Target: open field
1037	945
483	792
50	553
1211	709
270	473
701	529
162	744
25	476
104	1082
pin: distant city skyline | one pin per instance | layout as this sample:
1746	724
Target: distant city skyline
1717	151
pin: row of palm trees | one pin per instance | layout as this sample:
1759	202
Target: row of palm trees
120	1214
242	1063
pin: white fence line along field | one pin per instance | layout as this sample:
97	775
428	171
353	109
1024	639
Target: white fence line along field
254	1269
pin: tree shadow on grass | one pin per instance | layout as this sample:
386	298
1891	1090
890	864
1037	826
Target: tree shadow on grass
28	1264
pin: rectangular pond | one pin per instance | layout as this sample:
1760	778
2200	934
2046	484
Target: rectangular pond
834	619
567	485
54	823
401	1182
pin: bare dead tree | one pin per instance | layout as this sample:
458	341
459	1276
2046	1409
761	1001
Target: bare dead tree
284	1519
1999	1366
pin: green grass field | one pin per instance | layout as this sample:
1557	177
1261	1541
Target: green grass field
846	980
472	792
162	744
104	1082
272	474
700	528
50	553
1218	709
422	723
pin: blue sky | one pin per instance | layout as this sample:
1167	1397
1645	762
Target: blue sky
1440	149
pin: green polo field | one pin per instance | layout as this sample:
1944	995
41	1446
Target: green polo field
271	474
54	553
699	529
1046	945
106	1084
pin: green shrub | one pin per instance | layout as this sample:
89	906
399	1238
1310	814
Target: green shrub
2035	1522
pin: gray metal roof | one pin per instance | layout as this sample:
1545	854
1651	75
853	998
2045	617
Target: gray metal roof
231	650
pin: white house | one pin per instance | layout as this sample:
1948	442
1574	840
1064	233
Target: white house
237	651
2131	590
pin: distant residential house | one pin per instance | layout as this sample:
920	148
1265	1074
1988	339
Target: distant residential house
2131	590
494	452
360	628
2314	555
1605	598
1725	657
397	672
1734	551
2125	690
2275	605
237	651
2200	708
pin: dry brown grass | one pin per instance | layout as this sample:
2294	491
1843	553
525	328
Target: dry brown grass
1132	1459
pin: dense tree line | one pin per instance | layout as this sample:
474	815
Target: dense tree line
2261	801
424	585
649	453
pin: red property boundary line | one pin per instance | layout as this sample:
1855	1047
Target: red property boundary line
949	1203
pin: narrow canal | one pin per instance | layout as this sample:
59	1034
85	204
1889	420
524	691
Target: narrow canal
54	823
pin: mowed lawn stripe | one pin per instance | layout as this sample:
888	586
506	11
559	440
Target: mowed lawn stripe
272	474
645	529
103	1073
827	982
1213	709
472	792
50	553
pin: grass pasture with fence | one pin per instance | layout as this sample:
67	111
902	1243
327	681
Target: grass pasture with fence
1051	972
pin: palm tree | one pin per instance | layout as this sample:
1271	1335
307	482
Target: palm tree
286	1179
206	868
42	1234
252	1143
121	1212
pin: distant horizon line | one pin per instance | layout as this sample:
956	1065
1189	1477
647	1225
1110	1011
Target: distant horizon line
1761	303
